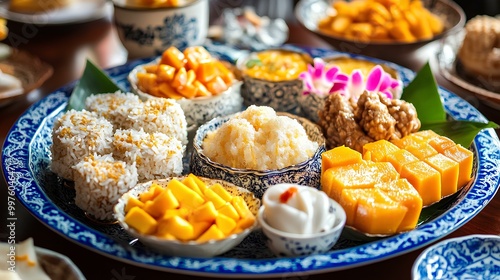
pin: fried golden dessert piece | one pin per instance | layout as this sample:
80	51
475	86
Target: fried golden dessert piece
480	49
37	6
373	117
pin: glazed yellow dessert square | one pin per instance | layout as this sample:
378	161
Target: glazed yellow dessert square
441	143
353	176
421	150
449	172
378	150
400	158
425	179
465	158
339	156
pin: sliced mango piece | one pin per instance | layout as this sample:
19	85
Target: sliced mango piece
212	233
215	198
221	191
176	226
141	221
173	57
225	224
163	201
133	202
204	213
353	176
186	196
229	210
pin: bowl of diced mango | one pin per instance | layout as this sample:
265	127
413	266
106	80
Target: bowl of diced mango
379	28
188	216
205	86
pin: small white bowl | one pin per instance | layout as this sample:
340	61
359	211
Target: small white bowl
292	244
189	248
467	257
198	110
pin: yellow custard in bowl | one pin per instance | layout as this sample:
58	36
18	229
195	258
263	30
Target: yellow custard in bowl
276	65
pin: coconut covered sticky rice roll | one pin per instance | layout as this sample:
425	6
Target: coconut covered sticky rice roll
100	180
156	155
115	107
75	135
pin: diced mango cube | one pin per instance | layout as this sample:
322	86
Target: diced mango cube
216	85
166	90
449	170
244	223
165	73
132	202
441	143
141	221
401	157
152	192
173	57
225	224
221	191
378	150
241	206
199	228
229	210
212	233
204	213
191	183
354	176
378	214
206	71
215	198
146	81
177	226
425	179
422	150
201	185
465	159
181	212
349	201
339	156
180	78
186	196
163	201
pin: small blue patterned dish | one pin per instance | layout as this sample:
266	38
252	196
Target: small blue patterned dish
284	244
305	173
468	257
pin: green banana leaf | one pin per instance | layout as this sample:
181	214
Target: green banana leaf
93	81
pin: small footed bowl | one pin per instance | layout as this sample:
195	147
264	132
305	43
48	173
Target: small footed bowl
281	95
189	248
291	244
200	109
305	173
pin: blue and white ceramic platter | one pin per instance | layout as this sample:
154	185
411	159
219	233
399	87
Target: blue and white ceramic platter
26	157
468	257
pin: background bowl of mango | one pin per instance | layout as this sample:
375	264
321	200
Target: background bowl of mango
188	216
380	27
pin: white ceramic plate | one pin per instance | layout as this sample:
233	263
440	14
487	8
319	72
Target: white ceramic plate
468	257
79	11
26	156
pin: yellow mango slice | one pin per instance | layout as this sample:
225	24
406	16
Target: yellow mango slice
141	221
378	150
191	183
186	196
399	158
222	192
241	206
204	213
163	201
425	179
206	71
449	170
244	223
212	233
176	226
199	228
378	214
181	212
215	198
173	57
152	192
133	202
465	158
229	210
339	156
216	85
401	191
225	224
165	73
201	185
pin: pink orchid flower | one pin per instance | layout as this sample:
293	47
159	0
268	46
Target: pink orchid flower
319	80
377	81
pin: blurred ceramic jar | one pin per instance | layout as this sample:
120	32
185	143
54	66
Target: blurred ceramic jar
146	28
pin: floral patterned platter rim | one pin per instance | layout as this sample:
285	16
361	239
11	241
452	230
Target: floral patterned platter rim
468	257
25	165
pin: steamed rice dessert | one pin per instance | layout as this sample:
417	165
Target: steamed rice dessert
259	139
156	155
159	115
75	135
100	181
115	107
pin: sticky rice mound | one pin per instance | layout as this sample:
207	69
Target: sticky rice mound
115	107
156	155
100	181
75	135
258	139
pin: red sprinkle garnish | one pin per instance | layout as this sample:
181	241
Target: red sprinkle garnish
286	195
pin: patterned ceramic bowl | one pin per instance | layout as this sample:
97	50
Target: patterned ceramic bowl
273	82
144	32
200	109
467	257
188	248
305	173
311	104
292	244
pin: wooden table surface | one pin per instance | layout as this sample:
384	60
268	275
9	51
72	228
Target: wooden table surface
66	49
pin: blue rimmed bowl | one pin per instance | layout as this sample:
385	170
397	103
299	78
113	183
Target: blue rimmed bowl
306	173
467	257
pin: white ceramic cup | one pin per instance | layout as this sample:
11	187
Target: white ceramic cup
147	32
